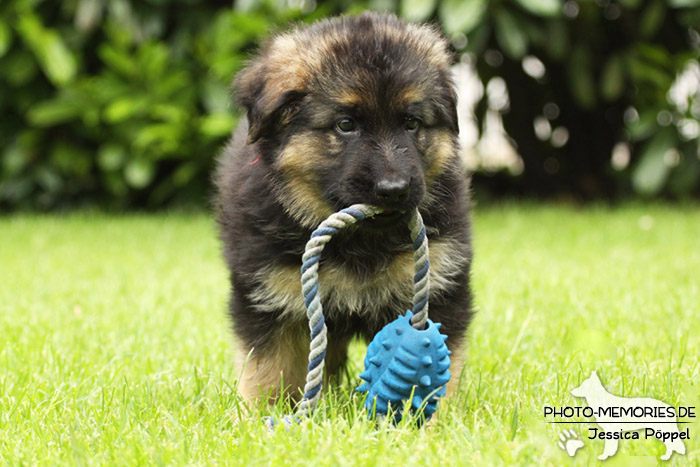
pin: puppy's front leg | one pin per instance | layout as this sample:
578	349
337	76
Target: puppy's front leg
453	310
457	361
276	367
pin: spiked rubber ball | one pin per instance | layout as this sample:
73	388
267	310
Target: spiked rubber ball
404	363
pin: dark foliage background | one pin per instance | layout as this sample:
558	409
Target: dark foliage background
125	104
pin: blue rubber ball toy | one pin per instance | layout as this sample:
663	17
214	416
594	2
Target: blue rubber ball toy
404	363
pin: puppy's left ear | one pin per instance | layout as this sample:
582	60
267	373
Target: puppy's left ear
450	107
268	99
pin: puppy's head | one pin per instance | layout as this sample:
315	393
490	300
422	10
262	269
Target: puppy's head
352	110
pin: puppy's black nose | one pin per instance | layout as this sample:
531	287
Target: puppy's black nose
393	191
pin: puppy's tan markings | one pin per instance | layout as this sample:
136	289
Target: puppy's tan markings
282	363
289	65
301	200
348	98
457	362
287	69
280	287
302	154
281	368
440	154
301	195
411	94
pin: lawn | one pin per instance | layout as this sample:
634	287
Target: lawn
115	347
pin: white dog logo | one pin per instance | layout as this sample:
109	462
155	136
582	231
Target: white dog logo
616	415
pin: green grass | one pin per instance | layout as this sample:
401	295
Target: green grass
115	348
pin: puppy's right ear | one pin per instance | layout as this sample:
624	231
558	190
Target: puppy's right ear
269	98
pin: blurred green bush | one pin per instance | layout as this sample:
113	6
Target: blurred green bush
127	103
121	102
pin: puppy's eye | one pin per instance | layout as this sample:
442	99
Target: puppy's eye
412	123
346	125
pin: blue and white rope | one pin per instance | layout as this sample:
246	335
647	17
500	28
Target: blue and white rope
314	309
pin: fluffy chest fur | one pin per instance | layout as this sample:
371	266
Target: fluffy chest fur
347	292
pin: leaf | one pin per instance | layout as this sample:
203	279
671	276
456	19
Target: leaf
217	125
478	38
117	59
612	80
417	10
651	19
548	8
71	159
168	113
510	34
111	156
536	34
14	159
184	174
152	60
655	53
162	191
641	71
53	112
48	179
124	109
644	126
215	96
581	78
558	39
115	184
160	139
650	174
88	14
19	67
5	37
53	55
461	15
17	189
684	3
138	173
684	177
631	4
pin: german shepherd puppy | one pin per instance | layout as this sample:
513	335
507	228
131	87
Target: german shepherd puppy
349	110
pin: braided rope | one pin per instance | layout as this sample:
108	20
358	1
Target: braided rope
421	265
314	309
